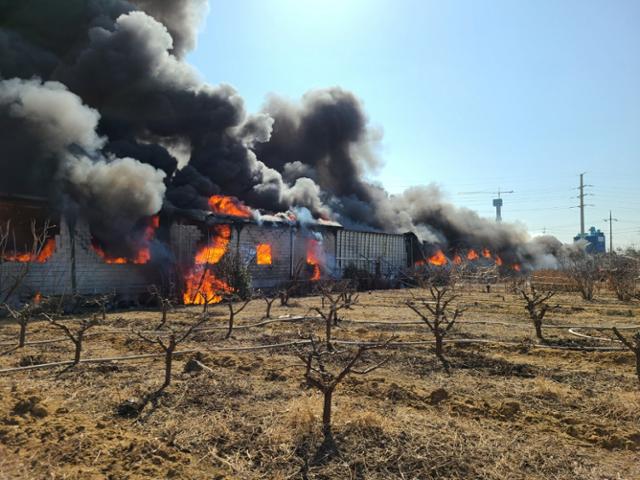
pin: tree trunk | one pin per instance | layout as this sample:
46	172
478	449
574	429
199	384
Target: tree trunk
269	304
328	332
637	352
23	334
78	344
168	362
326	416
230	329
440	350
538	326
328	447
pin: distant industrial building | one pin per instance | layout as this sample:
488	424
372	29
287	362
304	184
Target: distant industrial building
596	239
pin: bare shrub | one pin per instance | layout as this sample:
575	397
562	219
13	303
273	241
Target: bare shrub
585	271
324	370
334	299
269	300
168	346
235	305
23	317
633	345
100	302
290	288
165	301
76	335
623	272
436	311
536	305
235	274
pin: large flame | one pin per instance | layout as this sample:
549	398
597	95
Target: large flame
472	255
36	257
438	258
201	285
142	256
314	258
486	253
263	254
498	260
228	206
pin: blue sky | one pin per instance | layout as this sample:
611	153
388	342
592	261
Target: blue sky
473	95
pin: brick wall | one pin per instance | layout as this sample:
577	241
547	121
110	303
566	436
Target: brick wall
92	274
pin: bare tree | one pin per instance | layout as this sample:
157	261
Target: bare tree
536	305
165	301
77	335
623	272
332	303
231	301
287	290
23	317
585	270
168	346
633	345
269	300
438	314
101	302
319	374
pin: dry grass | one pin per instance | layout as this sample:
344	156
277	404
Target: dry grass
512	411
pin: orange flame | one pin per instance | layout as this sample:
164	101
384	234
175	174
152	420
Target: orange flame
142	256
472	255
37	298
263	254
313	258
45	252
498	260
457	259
516	267
438	259
228	206
201	285
486	253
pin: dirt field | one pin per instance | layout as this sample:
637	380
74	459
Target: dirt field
505	411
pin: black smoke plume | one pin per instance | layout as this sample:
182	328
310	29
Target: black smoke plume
103	110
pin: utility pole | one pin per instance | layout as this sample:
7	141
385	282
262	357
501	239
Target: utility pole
581	196
610	220
581	204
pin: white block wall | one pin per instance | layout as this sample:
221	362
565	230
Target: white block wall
93	275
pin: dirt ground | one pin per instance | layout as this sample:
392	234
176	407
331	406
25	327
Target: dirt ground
506	410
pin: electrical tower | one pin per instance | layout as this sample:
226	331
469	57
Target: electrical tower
582	205
610	220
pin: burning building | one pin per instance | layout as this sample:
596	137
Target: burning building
139	156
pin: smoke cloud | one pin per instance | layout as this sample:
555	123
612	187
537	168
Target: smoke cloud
105	110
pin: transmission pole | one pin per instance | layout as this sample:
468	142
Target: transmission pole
610	220
582	205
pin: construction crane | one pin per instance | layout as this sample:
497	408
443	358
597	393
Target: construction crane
497	202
